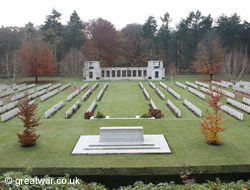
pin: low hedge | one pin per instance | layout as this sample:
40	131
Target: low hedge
17	177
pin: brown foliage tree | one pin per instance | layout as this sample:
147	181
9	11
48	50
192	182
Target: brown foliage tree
211	124
134	45
102	42
38	57
209	56
27	114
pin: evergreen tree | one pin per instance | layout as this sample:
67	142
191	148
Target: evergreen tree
149	30
189	32
30	32
163	38
74	34
52	33
230	30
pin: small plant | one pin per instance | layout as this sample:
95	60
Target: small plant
211	124
187	176
145	115
88	115
100	115
27	114
155	113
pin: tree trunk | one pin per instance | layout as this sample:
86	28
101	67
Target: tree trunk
211	76
36	78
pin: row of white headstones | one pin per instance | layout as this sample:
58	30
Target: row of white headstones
76	105
175	94
32	95
51	111
227	109
203	88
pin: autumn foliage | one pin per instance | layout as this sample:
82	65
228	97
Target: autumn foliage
211	124
102	42
38	57
209	57
27	114
88	115
155	113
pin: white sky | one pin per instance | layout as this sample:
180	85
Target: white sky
120	13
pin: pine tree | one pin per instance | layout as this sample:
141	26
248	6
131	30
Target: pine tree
149	30
52	32
74	35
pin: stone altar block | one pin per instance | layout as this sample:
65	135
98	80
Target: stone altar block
121	134
121	140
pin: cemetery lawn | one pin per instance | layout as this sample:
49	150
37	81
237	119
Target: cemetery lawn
124	99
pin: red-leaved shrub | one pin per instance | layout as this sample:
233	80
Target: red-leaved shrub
88	115
155	113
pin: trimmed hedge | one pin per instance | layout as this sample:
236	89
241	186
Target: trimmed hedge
18	176
210	185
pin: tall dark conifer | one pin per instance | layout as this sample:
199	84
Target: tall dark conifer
74	34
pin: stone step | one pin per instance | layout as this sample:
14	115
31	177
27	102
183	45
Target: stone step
120	144
121	147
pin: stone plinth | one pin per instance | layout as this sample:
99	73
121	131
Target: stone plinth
121	140
121	134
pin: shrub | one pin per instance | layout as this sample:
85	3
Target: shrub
211	124
27	114
70	182
218	184
155	113
88	115
100	115
145	115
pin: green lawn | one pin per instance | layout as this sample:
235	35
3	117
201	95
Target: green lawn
124	99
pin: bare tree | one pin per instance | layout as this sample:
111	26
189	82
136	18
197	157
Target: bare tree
12	67
172	71
236	64
73	63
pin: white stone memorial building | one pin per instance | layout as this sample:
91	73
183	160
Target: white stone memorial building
93	71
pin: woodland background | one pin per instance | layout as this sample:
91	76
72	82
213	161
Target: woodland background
54	48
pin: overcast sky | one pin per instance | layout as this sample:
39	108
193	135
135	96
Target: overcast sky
120	13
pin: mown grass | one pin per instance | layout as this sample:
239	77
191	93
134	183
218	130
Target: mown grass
124	99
